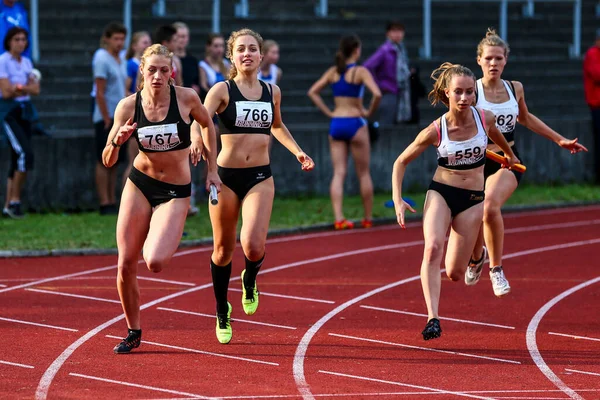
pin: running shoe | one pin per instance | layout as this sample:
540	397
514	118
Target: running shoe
432	329
367	223
14	211
223	330
249	297
343	224
499	282
132	341
474	269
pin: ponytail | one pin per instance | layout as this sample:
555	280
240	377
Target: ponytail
442	77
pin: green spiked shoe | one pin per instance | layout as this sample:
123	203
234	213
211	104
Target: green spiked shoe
224	331
249	297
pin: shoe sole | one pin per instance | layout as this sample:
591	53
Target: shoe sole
507	291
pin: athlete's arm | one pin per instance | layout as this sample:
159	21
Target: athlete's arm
120	131
283	135
427	137
538	126
369	82
316	88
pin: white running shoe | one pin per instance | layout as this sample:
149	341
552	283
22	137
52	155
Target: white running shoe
474	269
499	282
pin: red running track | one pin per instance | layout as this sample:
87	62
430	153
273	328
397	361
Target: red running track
340	317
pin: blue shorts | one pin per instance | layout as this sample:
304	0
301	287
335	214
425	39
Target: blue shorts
344	128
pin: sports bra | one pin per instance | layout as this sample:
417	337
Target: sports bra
271	77
341	88
247	116
464	154
506	113
170	134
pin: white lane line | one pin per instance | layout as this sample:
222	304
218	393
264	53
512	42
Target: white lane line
561	225
145	278
232	319
18	321
301	349
48	376
551	248
574	336
366	395
296	238
285	296
532	342
424	348
136	385
441	391
15	364
465	321
1	285
582	372
79	296
208	353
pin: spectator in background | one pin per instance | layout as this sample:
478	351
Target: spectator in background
214	68
13	13
18	82
390	68
139	41
269	72
110	77
167	36
189	64
591	83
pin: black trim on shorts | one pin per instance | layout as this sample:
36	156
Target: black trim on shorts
457	199
491	167
241	180
158	192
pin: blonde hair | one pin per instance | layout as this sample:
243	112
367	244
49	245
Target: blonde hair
492	39
443	76
156	50
134	39
231	41
180	25
268	44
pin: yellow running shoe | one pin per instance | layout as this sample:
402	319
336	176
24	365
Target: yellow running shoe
249	303
224	331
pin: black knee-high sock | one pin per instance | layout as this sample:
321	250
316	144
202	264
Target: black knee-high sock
220	277
252	268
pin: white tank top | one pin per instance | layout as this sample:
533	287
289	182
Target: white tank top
213	76
465	154
506	113
271	78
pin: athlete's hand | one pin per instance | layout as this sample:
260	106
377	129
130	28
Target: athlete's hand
124	132
307	163
212	178
401	207
196	150
572	145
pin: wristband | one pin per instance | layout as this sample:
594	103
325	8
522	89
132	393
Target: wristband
112	141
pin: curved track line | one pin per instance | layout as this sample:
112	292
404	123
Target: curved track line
532	342
299	357
46	380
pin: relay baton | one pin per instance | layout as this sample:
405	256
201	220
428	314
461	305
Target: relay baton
214	195
504	161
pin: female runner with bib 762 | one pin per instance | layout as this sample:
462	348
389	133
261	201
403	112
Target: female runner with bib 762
249	111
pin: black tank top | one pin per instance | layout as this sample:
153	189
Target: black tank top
247	116
170	134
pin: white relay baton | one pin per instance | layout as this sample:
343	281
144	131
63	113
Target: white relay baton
214	195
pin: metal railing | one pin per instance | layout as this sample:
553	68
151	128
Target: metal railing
528	10
35	31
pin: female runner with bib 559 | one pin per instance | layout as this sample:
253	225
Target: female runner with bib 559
455	196
249	111
155	198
